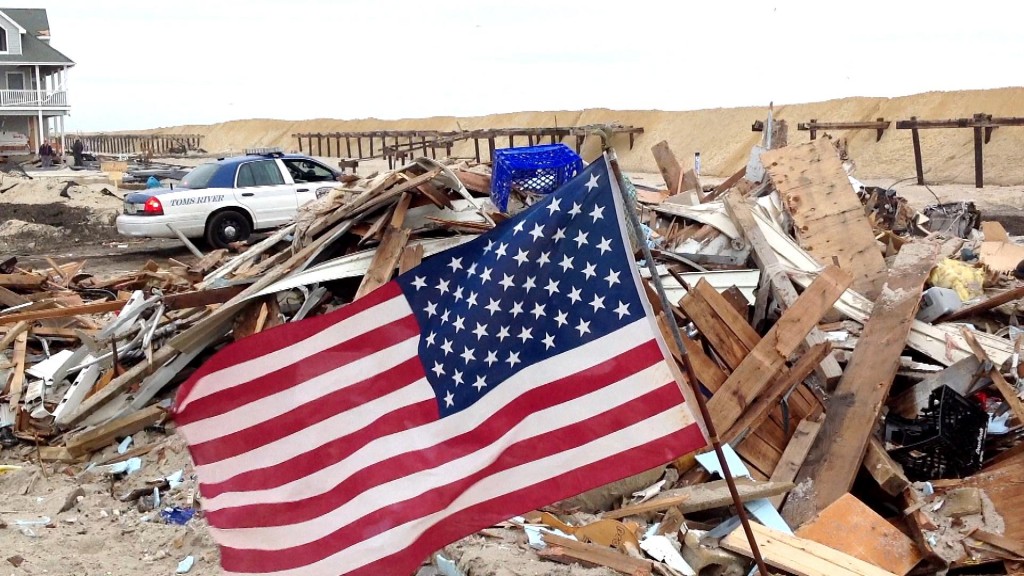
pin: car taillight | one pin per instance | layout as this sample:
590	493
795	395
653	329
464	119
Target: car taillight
153	207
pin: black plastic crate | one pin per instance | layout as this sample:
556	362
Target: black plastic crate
947	440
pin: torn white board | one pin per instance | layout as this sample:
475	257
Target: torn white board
46	369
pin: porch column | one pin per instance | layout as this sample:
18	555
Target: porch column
43	133
63	154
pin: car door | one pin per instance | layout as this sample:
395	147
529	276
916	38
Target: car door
312	179
261	187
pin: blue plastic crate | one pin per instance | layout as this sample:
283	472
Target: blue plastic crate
532	170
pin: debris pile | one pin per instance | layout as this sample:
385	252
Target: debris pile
861	362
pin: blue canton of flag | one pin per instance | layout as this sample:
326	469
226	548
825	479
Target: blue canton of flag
555	277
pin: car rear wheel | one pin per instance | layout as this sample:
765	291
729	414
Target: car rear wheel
227	227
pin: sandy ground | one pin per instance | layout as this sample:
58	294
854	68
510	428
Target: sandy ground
100	534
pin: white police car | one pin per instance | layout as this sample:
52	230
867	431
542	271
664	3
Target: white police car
225	201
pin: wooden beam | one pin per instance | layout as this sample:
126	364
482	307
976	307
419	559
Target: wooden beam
570	551
700	497
18	379
724	328
11	334
796	452
98	437
887	472
21	280
985	305
781	285
857	402
800	556
668	165
771	353
385	260
760	409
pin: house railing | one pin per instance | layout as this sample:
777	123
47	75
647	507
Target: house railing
31	98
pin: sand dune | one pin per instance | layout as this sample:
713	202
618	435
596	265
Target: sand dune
723	136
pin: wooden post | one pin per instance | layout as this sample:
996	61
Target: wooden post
371	145
511	141
328	146
979	164
359	144
579	143
814	133
918	164
490	147
476	148
348	146
299	138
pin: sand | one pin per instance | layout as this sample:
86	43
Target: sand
722	136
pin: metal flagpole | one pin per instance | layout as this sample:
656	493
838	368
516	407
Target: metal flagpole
716	443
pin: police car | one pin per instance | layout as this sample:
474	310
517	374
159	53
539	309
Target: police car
225	201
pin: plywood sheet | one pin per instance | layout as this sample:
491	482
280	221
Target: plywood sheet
829	218
850	526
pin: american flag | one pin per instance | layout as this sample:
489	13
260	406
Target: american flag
516	370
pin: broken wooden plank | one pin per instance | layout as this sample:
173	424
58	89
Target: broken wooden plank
887	472
411	258
474	181
723	327
385	260
18	378
668	165
761	407
848	525
22	280
758	369
58	454
95	438
567	550
985	305
799	556
1000	541
796	452
9	298
1008	392
857	402
781	285
828	217
708	373
706	496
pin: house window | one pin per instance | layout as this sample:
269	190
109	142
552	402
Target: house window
15	80
3	40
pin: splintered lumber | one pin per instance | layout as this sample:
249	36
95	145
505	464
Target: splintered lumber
781	285
569	551
795	454
385	260
761	408
985	305
180	301
887	472
1002	484
1008	392
118	385
707	372
668	165
848	525
95	438
8	298
706	496
829	219
999	541
799	556
12	334
724	328
857	402
411	258
18	381
22	280
765	361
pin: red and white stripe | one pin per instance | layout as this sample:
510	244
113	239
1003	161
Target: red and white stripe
326	455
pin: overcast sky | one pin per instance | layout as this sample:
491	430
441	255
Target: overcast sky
144	64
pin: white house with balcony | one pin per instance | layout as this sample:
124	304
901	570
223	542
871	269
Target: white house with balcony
33	81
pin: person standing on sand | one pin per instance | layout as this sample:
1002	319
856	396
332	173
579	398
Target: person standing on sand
77	149
46	154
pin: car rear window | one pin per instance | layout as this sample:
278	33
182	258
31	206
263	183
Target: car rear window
200	176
